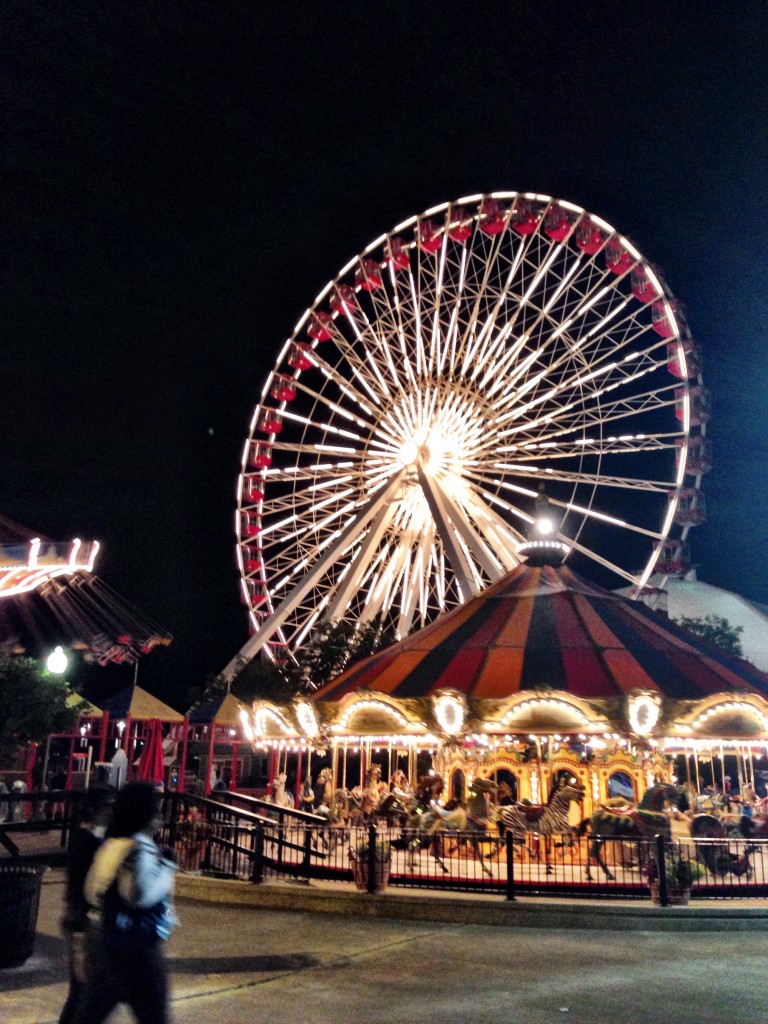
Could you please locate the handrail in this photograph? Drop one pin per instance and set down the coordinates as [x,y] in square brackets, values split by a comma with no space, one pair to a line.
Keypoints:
[311,819]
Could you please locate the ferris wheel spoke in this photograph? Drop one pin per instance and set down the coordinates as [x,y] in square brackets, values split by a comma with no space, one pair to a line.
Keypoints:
[314,573]
[599,559]
[590,412]
[500,535]
[579,448]
[361,562]
[345,387]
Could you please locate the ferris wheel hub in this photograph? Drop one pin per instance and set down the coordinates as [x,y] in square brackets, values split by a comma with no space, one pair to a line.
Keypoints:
[409,453]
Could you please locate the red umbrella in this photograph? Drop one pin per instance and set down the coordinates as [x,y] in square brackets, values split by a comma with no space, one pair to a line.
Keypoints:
[152,764]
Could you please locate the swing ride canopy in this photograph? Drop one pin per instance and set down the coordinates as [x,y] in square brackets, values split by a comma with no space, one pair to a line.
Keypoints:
[541,651]
[48,593]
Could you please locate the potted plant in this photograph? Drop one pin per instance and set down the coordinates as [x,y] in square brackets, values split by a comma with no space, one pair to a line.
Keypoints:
[361,857]
[681,872]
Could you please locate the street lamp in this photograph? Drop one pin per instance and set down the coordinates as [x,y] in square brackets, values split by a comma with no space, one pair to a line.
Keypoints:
[57,661]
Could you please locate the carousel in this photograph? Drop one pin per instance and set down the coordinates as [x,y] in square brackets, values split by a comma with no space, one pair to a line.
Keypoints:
[542,677]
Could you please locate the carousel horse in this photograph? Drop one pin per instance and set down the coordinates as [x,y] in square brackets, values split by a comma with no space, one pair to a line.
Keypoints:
[547,820]
[720,859]
[419,828]
[472,817]
[279,796]
[618,819]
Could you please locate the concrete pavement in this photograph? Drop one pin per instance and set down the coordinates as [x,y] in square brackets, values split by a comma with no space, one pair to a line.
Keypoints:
[237,965]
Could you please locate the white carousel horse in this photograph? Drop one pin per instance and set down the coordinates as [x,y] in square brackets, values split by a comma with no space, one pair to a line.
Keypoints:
[279,797]
[473,817]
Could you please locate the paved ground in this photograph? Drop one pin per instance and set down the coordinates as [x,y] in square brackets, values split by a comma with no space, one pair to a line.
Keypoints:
[244,966]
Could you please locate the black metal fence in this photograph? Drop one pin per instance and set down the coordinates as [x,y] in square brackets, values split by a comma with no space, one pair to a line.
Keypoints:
[260,841]
[237,836]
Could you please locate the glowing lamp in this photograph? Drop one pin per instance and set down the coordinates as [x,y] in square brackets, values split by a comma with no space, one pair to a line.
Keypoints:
[57,661]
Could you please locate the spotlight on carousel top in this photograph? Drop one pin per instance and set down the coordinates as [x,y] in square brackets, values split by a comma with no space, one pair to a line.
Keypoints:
[542,546]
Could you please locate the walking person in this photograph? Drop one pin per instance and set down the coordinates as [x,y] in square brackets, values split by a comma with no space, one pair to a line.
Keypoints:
[95,814]
[131,884]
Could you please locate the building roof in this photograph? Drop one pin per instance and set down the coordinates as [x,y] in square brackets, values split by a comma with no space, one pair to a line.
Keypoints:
[546,627]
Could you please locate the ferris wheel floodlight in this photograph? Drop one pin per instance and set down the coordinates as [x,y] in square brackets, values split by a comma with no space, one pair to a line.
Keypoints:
[473,348]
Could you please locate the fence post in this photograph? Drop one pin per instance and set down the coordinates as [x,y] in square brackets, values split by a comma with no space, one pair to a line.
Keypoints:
[510,839]
[173,824]
[372,857]
[662,866]
[257,863]
[307,852]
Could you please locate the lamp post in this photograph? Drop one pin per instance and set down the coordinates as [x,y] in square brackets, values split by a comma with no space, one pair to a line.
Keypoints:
[56,662]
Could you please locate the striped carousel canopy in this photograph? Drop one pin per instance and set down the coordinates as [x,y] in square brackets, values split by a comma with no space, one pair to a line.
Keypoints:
[545,627]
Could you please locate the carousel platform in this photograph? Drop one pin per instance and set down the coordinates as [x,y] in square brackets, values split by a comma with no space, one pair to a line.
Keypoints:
[462,908]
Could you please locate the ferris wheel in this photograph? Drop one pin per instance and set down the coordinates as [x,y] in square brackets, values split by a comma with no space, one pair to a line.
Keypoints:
[463,360]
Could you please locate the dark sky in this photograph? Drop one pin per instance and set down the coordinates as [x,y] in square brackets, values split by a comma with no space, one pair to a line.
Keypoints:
[180,179]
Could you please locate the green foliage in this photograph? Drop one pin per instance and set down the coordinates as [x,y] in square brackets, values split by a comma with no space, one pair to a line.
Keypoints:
[335,646]
[681,872]
[717,630]
[33,702]
[383,851]
[331,648]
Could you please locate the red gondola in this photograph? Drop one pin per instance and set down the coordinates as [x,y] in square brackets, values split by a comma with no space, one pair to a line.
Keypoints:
[270,421]
[688,367]
[398,258]
[430,236]
[589,238]
[643,288]
[663,324]
[691,508]
[459,225]
[525,220]
[699,458]
[674,559]
[283,388]
[320,326]
[254,493]
[558,225]
[251,525]
[252,562]
[298,356]
[343,299]
[368,275]
[491,217]
[261,454]
[699,405]
[617,258]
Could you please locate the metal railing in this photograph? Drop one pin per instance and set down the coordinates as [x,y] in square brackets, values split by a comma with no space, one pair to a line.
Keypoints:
[238,836]
[282,843]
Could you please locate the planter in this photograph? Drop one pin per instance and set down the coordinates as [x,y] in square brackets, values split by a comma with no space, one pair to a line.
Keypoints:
[360,874]
[675,897]
[19,904]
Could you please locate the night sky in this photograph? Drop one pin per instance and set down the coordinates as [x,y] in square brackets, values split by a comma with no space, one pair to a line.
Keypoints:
[179,180]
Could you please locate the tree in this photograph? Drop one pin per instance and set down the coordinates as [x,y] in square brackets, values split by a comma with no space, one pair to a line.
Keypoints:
[717,630]
[331,648]
[33,704]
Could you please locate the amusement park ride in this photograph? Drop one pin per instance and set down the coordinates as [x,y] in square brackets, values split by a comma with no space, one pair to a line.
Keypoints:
[495,387]
[52,586]
[464,359]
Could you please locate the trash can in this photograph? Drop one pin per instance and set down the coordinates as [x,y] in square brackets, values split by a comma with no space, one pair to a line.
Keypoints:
[19,903]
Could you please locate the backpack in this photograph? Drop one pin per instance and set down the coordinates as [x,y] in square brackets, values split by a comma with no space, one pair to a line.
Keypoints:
[126,927]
